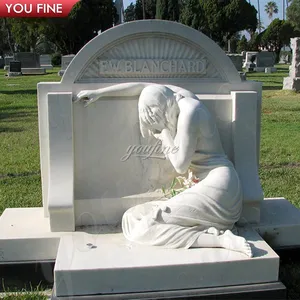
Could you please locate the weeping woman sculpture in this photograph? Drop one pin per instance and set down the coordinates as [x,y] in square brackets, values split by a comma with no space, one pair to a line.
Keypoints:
[205,214]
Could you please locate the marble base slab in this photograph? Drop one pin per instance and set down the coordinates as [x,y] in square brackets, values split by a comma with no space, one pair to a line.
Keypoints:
[273,290]
[25,232]
[109,264]
[279,223]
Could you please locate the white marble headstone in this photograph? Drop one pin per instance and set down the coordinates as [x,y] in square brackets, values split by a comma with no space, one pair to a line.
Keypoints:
[85,177]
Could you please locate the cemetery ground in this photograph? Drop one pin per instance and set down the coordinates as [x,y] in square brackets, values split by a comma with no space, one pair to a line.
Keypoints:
[20,184]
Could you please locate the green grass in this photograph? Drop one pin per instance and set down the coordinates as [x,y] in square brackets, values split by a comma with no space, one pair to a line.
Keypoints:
[19,151]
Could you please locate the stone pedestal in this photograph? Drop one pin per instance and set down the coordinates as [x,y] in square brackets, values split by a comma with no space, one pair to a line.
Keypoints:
[293,81]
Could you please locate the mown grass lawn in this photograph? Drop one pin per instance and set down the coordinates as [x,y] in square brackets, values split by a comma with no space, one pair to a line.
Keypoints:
[279,161]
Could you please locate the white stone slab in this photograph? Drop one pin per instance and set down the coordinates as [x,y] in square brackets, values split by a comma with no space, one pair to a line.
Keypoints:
[25,233]
[114,265]
[25,236]
[280,223]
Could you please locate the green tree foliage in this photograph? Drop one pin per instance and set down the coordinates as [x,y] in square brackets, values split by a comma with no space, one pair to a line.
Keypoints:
[6,43]
[167,10]
[191,14]
[26,32]
[135,11]
[129,13]
[293,14]
[220,20]
[83,23]
[271,8]
[277,35]
[242,44]
[69,34]
[150,9]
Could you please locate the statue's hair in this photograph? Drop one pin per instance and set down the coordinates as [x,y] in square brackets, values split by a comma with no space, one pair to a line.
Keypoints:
[156,96]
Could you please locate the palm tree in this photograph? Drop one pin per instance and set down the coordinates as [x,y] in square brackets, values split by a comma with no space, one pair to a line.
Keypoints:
[259,20]
[271,8]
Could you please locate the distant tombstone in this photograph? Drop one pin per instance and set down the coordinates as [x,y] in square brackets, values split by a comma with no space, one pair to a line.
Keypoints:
[65,61]
[28,59]
[248,58]
[45,60]
[15,68]
[1,62]
[268,70]
[30,63]
[293,81]
[237,60]
[7,60]
[265,59]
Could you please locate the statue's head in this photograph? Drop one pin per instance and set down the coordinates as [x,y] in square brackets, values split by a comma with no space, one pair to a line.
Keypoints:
[157,105]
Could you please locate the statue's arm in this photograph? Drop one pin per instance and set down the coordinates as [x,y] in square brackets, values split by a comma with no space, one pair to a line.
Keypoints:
[118,90]
[182,148]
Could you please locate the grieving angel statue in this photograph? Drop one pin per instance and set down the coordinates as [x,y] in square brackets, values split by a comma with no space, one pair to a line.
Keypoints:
[203,215]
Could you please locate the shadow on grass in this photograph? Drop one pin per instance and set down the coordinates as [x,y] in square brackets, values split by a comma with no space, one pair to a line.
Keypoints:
[18,92]
[271,88]
[8,129]
[17,107]
[13,115]
[16,277]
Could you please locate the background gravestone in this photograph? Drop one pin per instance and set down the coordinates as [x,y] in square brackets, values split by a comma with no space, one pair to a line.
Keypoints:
[28,59]
[265,59]
[30,63]
[7,59]
[293,81]
[1,62]
[65,61]
[15,68]
[45,60]
[237,60]
[249,54]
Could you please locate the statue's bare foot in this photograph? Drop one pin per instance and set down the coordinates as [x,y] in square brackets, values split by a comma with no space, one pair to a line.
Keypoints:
[236,243]
[213,231]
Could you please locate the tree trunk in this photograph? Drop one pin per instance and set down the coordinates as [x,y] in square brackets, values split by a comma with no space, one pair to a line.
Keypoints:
[9,36]
[259,22]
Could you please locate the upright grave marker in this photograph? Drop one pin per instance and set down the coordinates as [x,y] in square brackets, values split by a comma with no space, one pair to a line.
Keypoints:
[30,63]
[293,81]
[45,60]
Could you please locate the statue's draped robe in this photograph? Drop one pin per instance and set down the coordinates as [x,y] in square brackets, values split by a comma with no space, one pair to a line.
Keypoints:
[216,201]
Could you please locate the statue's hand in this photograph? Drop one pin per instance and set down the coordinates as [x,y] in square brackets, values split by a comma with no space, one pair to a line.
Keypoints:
[87,97]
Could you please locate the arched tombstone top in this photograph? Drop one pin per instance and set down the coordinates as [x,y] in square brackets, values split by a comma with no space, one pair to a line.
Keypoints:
[150,50]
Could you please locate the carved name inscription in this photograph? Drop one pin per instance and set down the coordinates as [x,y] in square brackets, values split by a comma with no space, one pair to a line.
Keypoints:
[155,66]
